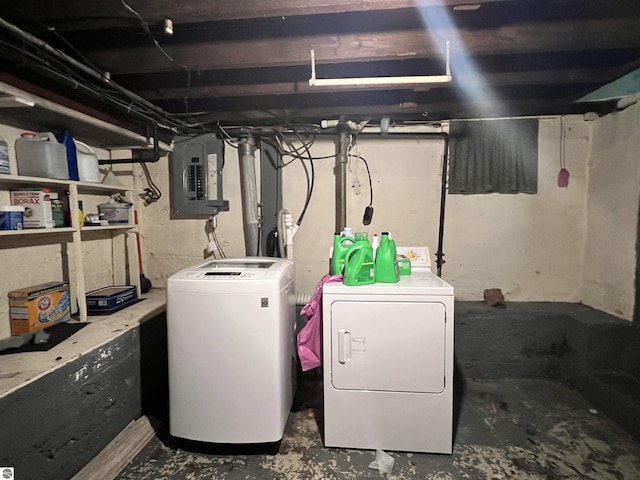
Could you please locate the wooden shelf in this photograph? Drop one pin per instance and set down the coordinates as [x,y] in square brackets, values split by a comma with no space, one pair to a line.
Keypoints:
[22,181]
[121,236]
[39,231]
[119,226]
[30,111]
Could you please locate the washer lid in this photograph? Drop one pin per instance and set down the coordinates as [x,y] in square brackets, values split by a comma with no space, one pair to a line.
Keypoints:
[233,276]
[245,268]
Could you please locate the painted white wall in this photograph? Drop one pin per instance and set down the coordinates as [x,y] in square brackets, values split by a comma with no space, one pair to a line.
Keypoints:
[405,175]
[529,246]
[612,213]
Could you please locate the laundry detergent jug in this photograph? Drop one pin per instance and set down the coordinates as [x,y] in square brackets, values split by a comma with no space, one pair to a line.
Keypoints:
[359,268]
[386,261]
[341,245]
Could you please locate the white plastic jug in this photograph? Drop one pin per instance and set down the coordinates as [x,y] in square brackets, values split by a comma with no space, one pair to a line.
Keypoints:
[88,170]
[41,155]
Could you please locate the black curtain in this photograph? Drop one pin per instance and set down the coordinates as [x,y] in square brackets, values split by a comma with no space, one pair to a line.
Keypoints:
[493,156]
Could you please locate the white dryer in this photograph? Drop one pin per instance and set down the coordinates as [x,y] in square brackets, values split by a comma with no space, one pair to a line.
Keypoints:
[388,365]
[232,363]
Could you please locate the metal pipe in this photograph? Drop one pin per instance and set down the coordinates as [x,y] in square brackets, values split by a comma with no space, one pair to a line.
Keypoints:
[443,198]
[341,159]
[341,179]
[139,156]
[249,193]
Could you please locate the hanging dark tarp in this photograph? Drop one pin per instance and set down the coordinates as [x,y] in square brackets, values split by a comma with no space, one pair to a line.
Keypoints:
[493,156]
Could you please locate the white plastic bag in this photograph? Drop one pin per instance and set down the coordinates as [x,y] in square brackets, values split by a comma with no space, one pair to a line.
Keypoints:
[383,463]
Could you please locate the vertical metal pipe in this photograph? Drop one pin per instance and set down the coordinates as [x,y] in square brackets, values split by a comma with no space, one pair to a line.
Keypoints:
[341,179]
[249,193]
[443,199]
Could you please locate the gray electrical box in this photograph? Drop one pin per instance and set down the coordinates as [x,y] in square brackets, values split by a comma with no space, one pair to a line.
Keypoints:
[195,168]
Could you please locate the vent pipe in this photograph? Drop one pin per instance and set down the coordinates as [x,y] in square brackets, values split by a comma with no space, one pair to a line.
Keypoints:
[249,193]
[341,178]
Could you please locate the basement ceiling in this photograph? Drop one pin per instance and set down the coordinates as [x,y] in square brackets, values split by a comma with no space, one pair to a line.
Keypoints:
[248,62]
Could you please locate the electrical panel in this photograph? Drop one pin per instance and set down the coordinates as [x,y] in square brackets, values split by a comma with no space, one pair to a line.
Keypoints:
[196,177]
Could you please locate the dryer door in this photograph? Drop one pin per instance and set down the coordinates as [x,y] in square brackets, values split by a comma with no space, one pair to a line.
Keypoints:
[388,346]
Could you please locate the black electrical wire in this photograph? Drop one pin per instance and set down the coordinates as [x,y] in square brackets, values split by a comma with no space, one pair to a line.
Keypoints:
[310,184]
[133,102]
[369,175]
[153,193]
[310,180]
[145,27]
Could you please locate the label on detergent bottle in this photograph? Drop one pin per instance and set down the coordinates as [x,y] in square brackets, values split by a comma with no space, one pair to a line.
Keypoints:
[359,265]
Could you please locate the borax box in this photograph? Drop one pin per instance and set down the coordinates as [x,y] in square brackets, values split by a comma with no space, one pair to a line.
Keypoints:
[40,306]
[37,203]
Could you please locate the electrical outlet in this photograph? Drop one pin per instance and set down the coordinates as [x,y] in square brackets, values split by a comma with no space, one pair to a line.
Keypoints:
[357,187]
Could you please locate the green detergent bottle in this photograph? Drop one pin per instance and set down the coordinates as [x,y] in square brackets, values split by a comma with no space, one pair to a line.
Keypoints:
[340,246]
[386,261]
[359,267]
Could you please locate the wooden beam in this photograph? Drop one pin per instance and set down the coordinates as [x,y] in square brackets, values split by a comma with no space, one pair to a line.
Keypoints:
[83,15]
[426,112]
[253,53]
[122,449]
[539,77]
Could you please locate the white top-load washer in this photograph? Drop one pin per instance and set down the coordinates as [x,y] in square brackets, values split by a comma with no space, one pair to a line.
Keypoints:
[231,334]
[388,364]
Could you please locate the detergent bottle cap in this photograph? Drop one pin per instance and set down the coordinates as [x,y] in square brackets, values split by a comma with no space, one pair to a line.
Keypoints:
[346,232]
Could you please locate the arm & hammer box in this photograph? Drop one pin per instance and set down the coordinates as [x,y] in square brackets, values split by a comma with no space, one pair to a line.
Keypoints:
[37,207]
[40,306]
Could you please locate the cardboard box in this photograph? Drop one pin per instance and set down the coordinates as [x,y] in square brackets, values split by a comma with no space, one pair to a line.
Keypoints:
[37,203]
[40,306]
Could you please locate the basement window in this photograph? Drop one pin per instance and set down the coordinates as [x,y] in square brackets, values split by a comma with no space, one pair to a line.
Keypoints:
[493,156]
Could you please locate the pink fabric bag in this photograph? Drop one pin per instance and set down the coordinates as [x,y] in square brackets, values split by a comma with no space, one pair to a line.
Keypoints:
[310,337]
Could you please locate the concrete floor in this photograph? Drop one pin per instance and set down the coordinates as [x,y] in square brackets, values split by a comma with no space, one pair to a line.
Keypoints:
[505,429]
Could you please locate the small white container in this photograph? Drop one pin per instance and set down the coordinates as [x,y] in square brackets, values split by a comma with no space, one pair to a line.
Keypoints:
[41,155]
[11,217]
[115,212]
[88,170]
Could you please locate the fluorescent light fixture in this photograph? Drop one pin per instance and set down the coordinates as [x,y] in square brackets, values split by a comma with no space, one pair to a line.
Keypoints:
[467,7]
[360,81]
[15,102]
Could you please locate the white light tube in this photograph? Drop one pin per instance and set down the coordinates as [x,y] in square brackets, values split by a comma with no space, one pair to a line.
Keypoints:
[406,80]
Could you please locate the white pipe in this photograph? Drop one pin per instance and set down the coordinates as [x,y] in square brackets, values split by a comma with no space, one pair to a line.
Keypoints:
[291,228]
[303,298]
